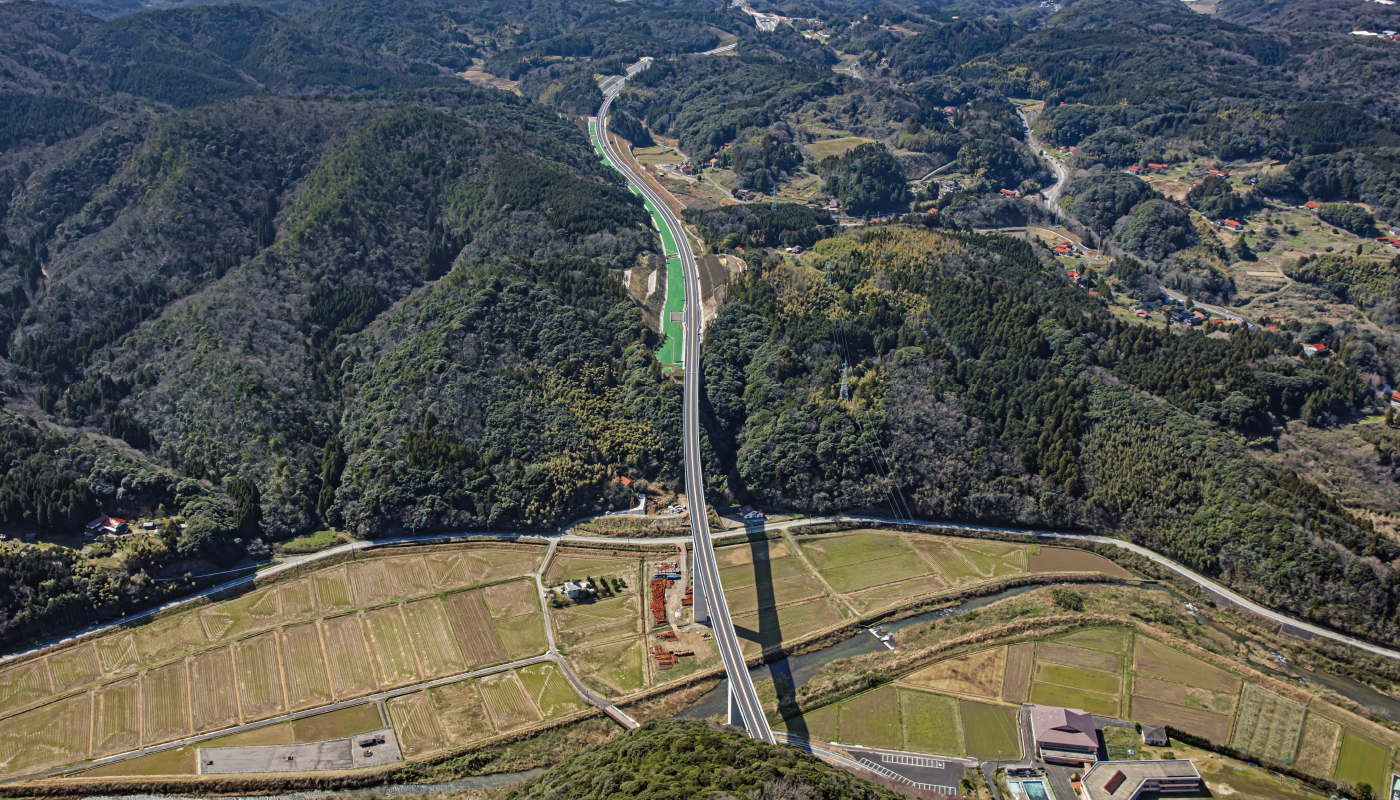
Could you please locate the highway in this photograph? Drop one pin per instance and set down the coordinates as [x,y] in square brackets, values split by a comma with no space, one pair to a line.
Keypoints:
[706,570]
[1052,195]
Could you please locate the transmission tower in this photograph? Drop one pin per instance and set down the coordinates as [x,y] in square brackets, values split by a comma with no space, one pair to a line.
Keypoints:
[775,195]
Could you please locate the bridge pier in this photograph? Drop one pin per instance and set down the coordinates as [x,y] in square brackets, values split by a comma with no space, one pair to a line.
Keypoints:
[736,714]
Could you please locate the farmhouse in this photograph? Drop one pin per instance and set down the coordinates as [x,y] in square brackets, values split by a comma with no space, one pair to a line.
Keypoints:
[1233,224]
[751,514]
[1314,349]
[105,525]
[574,588]
[1127,780]
[1313,204]
[1064,735]
[1155,735]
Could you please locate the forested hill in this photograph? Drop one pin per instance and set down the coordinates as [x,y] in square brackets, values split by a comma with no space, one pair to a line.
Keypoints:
[318,298]
[672,758]
[988,389]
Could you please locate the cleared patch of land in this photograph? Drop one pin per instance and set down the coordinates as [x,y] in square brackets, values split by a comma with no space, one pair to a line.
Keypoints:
[165,701]
[931,723]
[46,737]
[332,589]
[614,668]
[1069,655]
[308,683]
[835,147]
[1046,694]
[549,690]
[978,674]
[1019,660]
[352,672]
[1156,660]
[1067,559]
[337,724]
[116,718]
[1108,640]
[1269,725]
[505,698]
[387,637]
[471,624]
[432,638]
[1317,750]
[1166,691]
[460,712]
[415,724]
[259,676]
[1363,761]
[872,719]
[1215,727]
[214,701]
[74,667]
[990,730]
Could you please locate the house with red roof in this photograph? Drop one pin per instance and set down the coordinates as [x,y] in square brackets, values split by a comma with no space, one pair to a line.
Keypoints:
[1311,204]
[1233,224]
[1150,165]
[1314,349]
[105,526]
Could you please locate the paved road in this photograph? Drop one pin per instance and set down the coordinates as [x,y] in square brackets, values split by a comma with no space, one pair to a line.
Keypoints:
[706,569]
[1052,195]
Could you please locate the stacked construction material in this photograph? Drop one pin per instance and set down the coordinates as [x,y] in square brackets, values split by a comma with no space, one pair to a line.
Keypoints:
[665,659]
[658,599]
[689,599]
[669,636]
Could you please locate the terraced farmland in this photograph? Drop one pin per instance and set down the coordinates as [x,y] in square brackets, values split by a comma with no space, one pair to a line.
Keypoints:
[298,644]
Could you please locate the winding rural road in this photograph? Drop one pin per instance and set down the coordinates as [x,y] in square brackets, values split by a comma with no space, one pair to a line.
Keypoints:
[1052,195]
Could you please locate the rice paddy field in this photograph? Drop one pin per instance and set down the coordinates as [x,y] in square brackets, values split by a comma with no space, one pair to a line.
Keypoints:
[903,718]
[931,723]
[331,635]
[613,669]
[977,674]
[991,730]
[1363,761]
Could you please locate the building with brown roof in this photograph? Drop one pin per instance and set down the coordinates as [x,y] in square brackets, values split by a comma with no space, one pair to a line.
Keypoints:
[1064,735]
[1127,780]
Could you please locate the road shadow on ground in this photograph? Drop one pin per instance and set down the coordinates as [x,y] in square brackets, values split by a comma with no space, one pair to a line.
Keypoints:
[770,631]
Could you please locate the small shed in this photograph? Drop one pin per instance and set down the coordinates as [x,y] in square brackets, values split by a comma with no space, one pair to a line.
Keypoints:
[1155,735]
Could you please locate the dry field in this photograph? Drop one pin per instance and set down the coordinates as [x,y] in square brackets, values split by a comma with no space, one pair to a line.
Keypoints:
[598,621]
[773,626]
[215,705]
[1153,659]
[24,685]
[978,674]
[505,698]
[432,638]
[1069,655]
[1107,640]
[298,601]
[387,637]
[571,564]
[347,656]
[1269,725]
[370,582]
[74,667]
[1067,559]
[162,639]
[116,718]
[613,669]
[460,712]
[469,567]
[1215,727]
[516,616]
[471,623]
[872,719]
[117,653]
[254,611]
[409,576]
[332,589]
[415,724]
[259,676]
[165,704]
[308,682]
[1019,660]
[550,690]
[335,724]
[54,734]
[1317,750]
